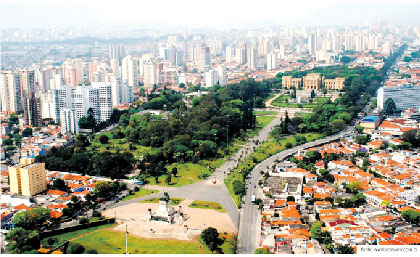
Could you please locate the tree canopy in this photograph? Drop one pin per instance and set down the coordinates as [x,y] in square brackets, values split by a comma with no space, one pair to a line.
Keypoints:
[211,238]
[22,241]
[32,219]
[389,107]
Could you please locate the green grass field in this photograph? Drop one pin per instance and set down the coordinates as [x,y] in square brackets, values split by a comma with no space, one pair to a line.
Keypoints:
[140,193]
[207,205]
[112,242]
[67,236]
[116,144]
[263,113]
[321,99]
[284,101]
[188,173]
[263,119]
[174,201]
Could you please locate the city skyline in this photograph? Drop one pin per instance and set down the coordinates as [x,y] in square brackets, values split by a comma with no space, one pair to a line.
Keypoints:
[185,14]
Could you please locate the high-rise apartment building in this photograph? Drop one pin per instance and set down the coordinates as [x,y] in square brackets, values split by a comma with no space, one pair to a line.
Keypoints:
[50,105]
[129,71]
[115,68]
[312,43]
[32,111]
[373,41]
[116,52]
[151,75]
[73,72]
[271,61]
[221,74]
[104,99]
[252,59]
[10,90]
[203,57]
[405,96]
[27,179]
[229,54]
[348,42]
[211,78]
[68,121]
[172,55]
[241,54]
[360,43]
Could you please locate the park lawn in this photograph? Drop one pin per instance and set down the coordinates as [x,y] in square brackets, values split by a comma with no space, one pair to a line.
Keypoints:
[94,219]
[112,242]
[262,113]
[174,201]
[228,247]
[175,181]
[188,173]
[321,99]
[69,235]
[281,102]
[281,99]
[141,192]
[313,136]
[117,144]
[191,170]
[295,105]
[229,185]
[262,122]
[302,114]
[207,205]
[214,163]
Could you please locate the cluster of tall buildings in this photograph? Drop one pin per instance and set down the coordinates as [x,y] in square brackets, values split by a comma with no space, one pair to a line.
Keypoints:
[63,94]
[42,91]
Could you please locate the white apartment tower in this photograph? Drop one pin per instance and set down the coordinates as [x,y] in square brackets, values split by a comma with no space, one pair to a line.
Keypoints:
[10,96]
[68,121]
[129,70]
[221,73]
[271,61]
[360,43]
[229,54]
[312,43]
[211,78]
[252,59]
[150,75]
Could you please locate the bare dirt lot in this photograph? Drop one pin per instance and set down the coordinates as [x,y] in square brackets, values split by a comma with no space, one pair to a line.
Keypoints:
[135,216]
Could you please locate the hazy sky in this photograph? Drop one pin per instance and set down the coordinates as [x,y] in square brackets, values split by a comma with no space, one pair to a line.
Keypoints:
[210,13]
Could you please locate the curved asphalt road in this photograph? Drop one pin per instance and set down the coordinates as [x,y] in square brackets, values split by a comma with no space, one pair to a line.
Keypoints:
[249,226]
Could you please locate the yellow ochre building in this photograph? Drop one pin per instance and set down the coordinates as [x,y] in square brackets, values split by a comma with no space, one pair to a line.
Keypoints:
[27,178]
